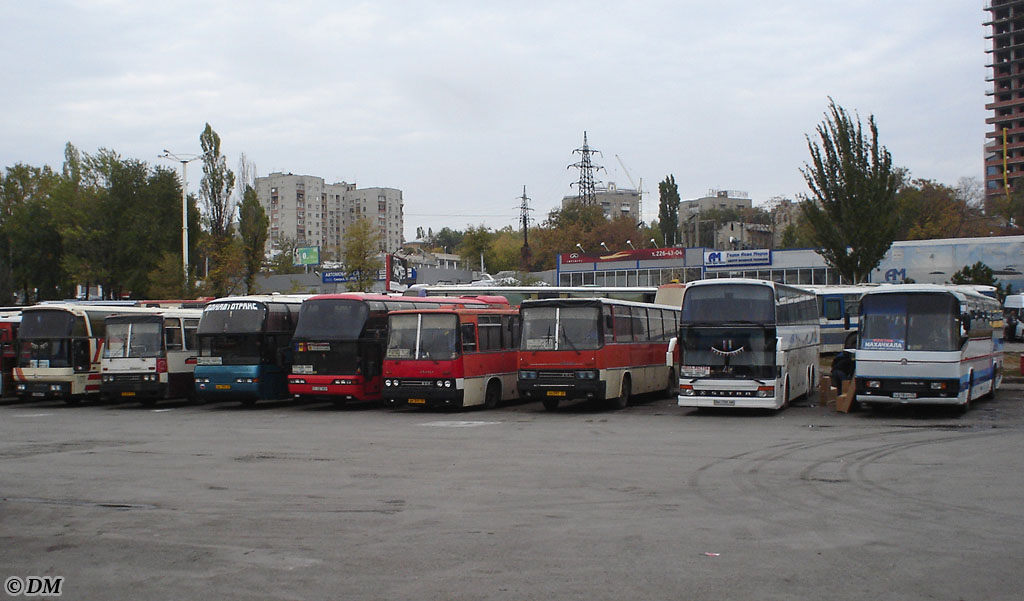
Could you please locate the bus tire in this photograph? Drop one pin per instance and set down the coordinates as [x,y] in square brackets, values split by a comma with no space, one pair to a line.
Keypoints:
[493,394]
[550,404]
[622,401]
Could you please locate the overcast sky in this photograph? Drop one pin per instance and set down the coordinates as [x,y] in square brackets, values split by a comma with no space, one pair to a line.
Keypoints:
[461,104]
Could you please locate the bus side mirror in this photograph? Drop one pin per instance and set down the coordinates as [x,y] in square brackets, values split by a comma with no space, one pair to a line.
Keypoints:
[965,324]
[846,320]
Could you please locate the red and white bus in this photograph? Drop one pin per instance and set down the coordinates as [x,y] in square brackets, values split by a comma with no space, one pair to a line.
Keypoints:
[338,345]
[10,319]
[150,354]
[455,356]
[59,348]
[600,348]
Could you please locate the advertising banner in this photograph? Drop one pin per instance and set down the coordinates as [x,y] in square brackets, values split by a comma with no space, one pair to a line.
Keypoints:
[639,254]
[306,255]
[737,258]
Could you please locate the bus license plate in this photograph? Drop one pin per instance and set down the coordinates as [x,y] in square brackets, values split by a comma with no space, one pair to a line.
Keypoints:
[556,393]
[904,395]
[417,401]
[127,393]
[223,386]
[319,389]
[724,403]
[38,394]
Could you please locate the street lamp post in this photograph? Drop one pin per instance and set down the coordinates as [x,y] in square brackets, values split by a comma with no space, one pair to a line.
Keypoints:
[184,160]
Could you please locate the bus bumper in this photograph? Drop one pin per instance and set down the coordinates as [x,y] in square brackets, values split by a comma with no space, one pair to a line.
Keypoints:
[35,390]
[909,391]
[423,393]
[132,386]
[338,388]
[580,389]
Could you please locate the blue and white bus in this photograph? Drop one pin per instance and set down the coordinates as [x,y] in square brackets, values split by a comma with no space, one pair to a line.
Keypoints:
[245,347]
[747,343]
[838,313]
[928,344]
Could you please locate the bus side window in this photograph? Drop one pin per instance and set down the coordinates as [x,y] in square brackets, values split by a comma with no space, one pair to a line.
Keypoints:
[609,324]
[468,332]
[515,331]
[172,334]
[191,328]
[833,309]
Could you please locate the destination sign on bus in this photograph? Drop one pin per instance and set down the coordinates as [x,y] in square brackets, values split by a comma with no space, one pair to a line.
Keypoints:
[234,306]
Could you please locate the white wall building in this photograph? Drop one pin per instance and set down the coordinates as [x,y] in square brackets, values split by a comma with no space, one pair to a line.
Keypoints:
[313,213]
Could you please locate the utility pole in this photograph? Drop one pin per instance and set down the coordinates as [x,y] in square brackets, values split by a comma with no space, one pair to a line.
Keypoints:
[184,160]
[586,184]
[524,216]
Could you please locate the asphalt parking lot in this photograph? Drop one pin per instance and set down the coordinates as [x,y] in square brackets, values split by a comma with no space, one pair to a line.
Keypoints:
[310,501]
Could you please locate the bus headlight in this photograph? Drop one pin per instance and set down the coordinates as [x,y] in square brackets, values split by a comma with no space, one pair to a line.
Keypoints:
[874,384]
[447,383]
[388,383]
[54,387]
[21,387]
[765,392]
[528,375]
[298,381]
[346,382]
[938,385]
[202,380]
[587,374]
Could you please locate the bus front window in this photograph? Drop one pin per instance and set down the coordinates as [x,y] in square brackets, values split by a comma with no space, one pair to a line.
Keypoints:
[560,328]
[913,322]
[436,335]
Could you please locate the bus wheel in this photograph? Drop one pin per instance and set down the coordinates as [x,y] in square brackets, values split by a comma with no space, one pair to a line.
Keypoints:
[550,404]
[493,395]
[623,400]
[785,395]
[672,383]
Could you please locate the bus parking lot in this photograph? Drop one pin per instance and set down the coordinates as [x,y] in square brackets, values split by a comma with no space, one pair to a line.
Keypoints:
[307,500]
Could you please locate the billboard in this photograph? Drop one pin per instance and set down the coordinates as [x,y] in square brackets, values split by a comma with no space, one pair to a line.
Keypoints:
[639,254]
[306,255]
[737,258]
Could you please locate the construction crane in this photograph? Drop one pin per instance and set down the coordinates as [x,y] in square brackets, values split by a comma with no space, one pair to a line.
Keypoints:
[639,191]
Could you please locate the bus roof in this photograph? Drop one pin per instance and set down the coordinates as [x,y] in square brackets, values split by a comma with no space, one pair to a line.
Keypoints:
[586,302]
[264,298]
[455,300]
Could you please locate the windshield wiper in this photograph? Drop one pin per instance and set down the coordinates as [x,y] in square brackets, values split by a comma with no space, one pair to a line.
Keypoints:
[567,340]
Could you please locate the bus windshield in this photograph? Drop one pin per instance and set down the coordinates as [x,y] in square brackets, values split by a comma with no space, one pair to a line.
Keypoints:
[233,349]
[560,328]
[331,319]
[730,352]
[911,322]
[45,352]
[233,317]
[133,338]
[46,324]
[422,336]
[736,303]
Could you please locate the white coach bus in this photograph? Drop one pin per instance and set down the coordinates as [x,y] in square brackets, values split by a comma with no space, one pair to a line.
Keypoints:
[747,343]
[928,344]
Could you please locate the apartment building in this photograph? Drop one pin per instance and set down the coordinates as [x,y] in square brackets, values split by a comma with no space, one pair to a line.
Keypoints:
[1004,147]
[614,201]
[311,212]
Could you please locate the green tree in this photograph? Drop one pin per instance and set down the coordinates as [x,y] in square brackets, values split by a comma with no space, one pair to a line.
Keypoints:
[362,254]
[979,273]
[252,225]
[476,243]
[447,239]
[215,194]
[668,210]
[284,262]
[853,188]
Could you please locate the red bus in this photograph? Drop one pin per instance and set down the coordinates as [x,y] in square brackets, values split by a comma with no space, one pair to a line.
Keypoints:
[456,356]
[600,348]
[338,345]
[10,319]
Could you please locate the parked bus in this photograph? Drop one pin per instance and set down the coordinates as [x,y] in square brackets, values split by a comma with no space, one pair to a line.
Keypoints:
[245,347]
[340,338]
[747,343]
[928,344]
[1013,315]
[599,348]
[455,356]
[838,310]
[150,355]
[59,348]
[10,320]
